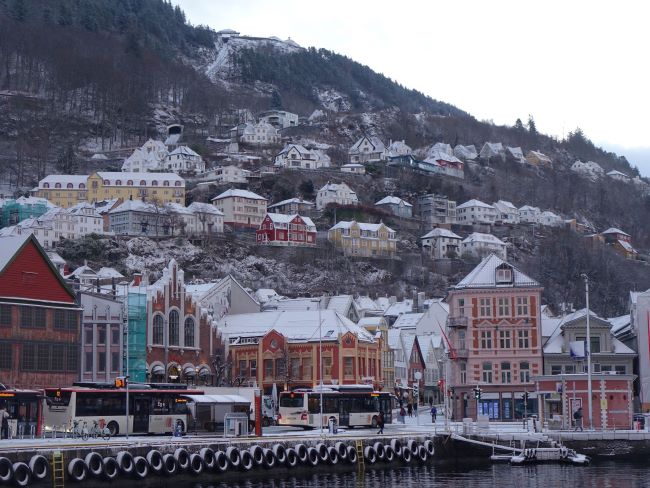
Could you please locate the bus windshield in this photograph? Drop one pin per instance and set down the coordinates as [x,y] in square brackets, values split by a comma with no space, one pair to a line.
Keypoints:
[292,400]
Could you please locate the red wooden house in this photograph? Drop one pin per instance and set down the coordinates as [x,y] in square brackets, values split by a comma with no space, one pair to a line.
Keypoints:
[39,318]
[286,230]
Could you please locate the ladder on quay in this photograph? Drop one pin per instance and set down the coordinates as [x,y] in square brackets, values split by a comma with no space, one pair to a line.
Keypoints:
[361,462]
[58,471]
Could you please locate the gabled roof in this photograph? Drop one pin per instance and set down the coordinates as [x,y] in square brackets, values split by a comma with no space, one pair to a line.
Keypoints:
[408,320]
[504,204]
[184,151]
[106,273]
[528,208]
[390,200]
[285,219]
[440,232]
[292,200]
[136,206]
[616,173]
[233,192]
[343,224]
[375,142]
[474,203]
[335,187]
[614,230]
[484,275]
[202,207]
[480,237]
[340,303]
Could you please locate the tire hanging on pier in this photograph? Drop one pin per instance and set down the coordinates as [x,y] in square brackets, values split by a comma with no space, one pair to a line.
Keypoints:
[6,470]
[257,454]
[379,451]
[220,462]
[370,455]
[352,455]
[125,462]
[397,446]
[413,446]
[207,455]
[269,459]
[292,458]
[389,455]
[22,474]
[302,453]
[39,467]
[428,444]
[406,455]
[94,464]
[342,451]
[140,467]
[312,456]
[155,460]
[246,463]
[182,458]
[422,453]
[322,452]
[170,465]
[77,469]
[196,464]
[333,455]
[280,453]
[234,458]
[111,468]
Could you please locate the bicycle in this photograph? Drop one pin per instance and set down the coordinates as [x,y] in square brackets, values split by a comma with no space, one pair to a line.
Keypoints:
[79,432]
[96,431]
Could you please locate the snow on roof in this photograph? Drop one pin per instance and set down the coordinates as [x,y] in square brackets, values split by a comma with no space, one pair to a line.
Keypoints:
[549,214]
[294,325]
[98,156]
[539,155]
[344,224]
[371,322]
[627,246]
[408,320]
[440,232]
[485,238]
[177,208]
[292,304]
[291,200]
[440,147]
[505,204]
[614,230]
[184,151]
[81,271]
[528,208]
[484,275]
[285,219]
[399,308]
[352,165]
[148,178]
[550,325]
[515,152]
[202,207]
[554,345]
[438,155]
[467,152]
[616,173]
[340,303]
[496,147]
[263,295]
[366,303]
[9,246]
[474,203]
[106,273]
[619,323]
[105,206]
[394,336]
[620,348]
[375,142]
[390,200]
[75,180]
[136,206]
[382,303]
[233,192]
[334,187]
[55,257]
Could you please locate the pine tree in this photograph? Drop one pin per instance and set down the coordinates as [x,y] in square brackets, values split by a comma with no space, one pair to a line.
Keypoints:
[19,10]
[519,126]
[67,162]
[532,128]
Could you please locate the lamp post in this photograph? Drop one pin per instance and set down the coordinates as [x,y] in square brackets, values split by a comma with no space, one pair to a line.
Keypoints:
[588,352]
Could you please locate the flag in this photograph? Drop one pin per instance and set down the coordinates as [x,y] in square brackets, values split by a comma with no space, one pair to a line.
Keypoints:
[577,349]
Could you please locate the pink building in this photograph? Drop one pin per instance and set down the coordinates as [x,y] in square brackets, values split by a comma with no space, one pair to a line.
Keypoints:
[494,329]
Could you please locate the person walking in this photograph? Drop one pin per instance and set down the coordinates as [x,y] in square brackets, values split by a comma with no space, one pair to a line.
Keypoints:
[380,422]
[402,414]
[415,408]
[4,422]
[577,417]
[409,409]
[434,412]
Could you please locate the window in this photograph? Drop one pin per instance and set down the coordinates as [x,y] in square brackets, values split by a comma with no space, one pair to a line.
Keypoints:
[348,366]
[252,364]
[570,368]
[463,373]
[620,369]
[504,307]
[295,368]
[504,339]
[556,369]
[522,306]
[504,275]
[115,362]
[32,317]
[506,374]
[487,373]
[189,332]
[129,183]
[101,362]
[280,368]
[243,371]
[306,369]
[327,366]
[88,362]
[484,307]
[143,183]
[524,343]
[72,358]
[524,372]
[6,357]
[115,336]
[101,334]
[57,185]
[88,334]
[69,186]
[118,182]
[157,330]
[486,339]
[43,357]
[173,328]
[5,314]
[595,343]
[268,368]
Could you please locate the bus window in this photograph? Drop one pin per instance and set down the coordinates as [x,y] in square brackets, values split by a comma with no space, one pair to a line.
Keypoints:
[293,400]
[180,406]
[313,404]
[161,406]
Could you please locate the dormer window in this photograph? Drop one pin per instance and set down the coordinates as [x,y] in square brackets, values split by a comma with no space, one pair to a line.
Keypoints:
[503,274]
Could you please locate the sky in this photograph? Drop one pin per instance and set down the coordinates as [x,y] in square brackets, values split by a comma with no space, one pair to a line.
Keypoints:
[567,63]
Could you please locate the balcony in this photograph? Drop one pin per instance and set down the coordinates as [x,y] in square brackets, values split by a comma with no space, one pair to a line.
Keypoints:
[462,353]
[457,322]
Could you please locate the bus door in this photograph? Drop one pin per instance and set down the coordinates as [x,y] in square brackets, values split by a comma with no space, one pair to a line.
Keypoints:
[386,406]
[344,411]
[141,411]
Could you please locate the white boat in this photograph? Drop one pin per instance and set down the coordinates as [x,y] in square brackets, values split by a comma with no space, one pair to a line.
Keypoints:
[549,455]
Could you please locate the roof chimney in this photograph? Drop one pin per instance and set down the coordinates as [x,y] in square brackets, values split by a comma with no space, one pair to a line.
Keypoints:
[137,279]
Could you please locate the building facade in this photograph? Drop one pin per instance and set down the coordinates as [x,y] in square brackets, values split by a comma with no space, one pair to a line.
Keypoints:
[441,243]
[296,156]
[367,150]
[475,212]
[286,230]
[39,318]
[292,206]
[335,193]
[436,209]
[495,332]
[241,208]
[363,240]
[396,206]
[480,245]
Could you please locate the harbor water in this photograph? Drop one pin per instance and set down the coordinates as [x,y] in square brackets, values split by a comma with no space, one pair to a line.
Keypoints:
[599,475]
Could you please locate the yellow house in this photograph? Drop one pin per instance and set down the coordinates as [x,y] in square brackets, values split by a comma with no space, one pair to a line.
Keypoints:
[68,190]
[537,158]
[365,240]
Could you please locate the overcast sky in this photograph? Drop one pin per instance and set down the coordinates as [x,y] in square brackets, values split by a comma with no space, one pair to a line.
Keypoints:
[568,63]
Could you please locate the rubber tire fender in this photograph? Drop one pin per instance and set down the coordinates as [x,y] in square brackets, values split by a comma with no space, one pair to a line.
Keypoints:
[269,459]
[170,465]
[302,453]
[333,455]
[430,447]
[369,454]
[140,467]
[196,464]
[94,464]
[207,455]
[312,456]
[280,453]
[406,455]
[22,474]
[247,462]
[155,460]
[397,447]
[234,457]
[77,470]
[182,458]
[39,466]
[389,453]
[292,458]
[125,462]
[111,468]
[379,451]
[352,455]
[342,450]
[221,462]
[6,470]
[321,449]
[257,453]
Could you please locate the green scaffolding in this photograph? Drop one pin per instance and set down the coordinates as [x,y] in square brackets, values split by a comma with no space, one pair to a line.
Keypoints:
[13,212]
[137,349]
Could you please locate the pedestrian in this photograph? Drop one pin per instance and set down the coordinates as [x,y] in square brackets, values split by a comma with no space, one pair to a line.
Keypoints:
[409,409]
[4,422]
[434,412]
[415,408]
[402,414]
[380,422]
[577,417]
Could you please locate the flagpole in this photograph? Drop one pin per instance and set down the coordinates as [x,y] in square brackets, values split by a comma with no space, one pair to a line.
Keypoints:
[588,352]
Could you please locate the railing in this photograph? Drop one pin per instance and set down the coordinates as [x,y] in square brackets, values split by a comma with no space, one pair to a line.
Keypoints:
[457,322]
[462,353]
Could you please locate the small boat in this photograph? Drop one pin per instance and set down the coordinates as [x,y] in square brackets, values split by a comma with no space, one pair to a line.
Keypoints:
[549,455]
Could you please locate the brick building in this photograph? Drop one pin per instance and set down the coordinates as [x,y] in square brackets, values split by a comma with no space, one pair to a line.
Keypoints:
[495,332]
[39,318]
[283,348]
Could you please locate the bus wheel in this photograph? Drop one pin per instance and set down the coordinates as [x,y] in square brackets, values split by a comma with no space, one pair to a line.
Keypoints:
[113,428]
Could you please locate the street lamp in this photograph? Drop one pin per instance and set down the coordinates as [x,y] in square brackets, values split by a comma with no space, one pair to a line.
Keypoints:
[588,352]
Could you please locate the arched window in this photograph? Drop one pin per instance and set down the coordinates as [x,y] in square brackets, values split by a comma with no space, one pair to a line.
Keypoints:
[57,185]
[143,183]
[118,182]
[106,182]
[82,186]
[189,332]
[69,185]
[46,185]
[154,183]
[177,183]
[157,330]
[166,183]
[129,183]
[173,328]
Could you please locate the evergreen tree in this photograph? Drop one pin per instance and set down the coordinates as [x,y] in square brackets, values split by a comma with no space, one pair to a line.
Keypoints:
[276,101]
[19,10]
[532,128]
[519,126]
[67,162]
[65,16]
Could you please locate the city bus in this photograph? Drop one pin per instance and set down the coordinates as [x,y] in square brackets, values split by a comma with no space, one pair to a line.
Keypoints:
[348,405]
[24,408]
[153,408]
